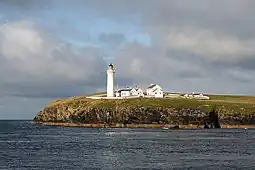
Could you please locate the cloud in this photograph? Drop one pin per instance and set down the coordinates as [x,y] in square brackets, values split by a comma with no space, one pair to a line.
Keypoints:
[26,4]
[112,38]
[145,65]
[204,46]
[180,72]
[191,60]
[37,64]
[208,44]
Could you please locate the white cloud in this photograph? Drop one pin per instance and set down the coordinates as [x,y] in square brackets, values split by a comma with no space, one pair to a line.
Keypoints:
[145,65]
[205,46]
[21,40]
[208,44]
[35,68]
[30,58]
[179,71]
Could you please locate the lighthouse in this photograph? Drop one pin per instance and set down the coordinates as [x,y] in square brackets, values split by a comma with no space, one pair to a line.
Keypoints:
[110,81]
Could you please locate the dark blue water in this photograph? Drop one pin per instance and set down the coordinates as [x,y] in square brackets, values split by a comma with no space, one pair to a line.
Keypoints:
[24,145]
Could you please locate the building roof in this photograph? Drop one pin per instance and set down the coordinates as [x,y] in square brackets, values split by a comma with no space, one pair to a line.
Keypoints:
[120,90]
[156,90]
[110,66]
[151,86]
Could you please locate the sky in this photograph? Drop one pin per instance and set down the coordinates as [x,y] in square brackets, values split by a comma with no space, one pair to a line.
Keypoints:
[60,48]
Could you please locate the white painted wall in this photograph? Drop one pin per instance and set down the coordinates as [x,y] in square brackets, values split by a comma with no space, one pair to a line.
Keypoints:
[159,93]
[133,92]
[196,96]
[117,94]
[157,87]
[110,81]
[140,92]
[125,94]
[149,92]
[152,92]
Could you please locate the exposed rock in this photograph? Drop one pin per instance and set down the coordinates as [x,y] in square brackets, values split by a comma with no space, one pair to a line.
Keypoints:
[127,115]
[143,111]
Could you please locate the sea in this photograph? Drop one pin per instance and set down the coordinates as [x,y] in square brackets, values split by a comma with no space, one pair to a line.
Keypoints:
[26,145]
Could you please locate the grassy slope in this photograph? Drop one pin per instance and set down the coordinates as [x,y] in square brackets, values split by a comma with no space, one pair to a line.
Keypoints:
[226,104]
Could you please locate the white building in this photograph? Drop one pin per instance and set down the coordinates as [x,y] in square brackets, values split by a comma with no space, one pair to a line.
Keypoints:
[137,92]
[123,92]
[199,96]
[129,92]
[155,90]
[110,81]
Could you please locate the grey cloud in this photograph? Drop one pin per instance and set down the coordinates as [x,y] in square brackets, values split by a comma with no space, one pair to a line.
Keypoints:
[42,67]
[112,38]
[204,46]
[180,71]
[36,68]
[146,65]
[178,12]
[229,16]
[245,64]
[216,31]
[189,74]
[26,4]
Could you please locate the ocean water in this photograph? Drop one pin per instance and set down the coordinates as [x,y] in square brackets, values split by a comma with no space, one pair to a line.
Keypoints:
[24,145]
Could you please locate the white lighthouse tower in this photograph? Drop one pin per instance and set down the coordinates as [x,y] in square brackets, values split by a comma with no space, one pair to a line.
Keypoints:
[110,81]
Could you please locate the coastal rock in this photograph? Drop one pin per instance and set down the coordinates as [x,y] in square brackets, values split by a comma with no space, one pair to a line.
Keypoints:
[88,112]
[174,112]
[238,119]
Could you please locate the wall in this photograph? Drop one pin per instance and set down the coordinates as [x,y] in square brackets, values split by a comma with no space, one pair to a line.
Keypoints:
[125,93]
[110,83]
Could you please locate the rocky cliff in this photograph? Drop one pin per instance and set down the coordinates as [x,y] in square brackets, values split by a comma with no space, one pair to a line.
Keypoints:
[143,111]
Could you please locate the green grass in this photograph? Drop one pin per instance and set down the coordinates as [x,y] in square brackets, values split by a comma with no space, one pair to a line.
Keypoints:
[233,98]
[226,104]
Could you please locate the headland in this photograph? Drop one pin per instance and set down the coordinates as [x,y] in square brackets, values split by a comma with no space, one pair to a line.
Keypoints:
[223,111]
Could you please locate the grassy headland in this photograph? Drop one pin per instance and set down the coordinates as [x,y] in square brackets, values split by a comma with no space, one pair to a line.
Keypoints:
[240,108]
[225,104]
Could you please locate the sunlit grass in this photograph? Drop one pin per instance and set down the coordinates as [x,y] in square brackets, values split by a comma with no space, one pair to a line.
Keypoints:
[225,104]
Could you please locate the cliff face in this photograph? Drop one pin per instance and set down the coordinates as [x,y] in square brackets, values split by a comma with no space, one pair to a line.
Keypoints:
[144,111]
[237,119]
[124,115]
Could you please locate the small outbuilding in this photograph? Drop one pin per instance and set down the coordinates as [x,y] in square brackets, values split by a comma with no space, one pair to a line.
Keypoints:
[129,92]
[155,90]
[123,92]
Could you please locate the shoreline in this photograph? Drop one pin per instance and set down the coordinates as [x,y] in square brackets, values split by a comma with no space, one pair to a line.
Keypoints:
[119,125]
